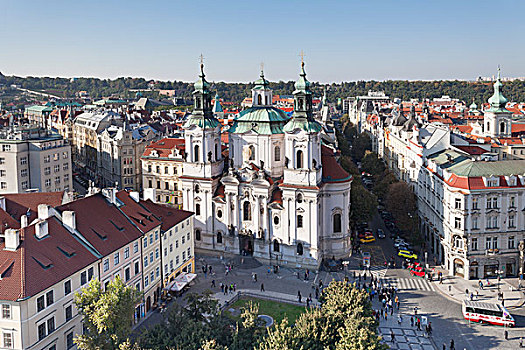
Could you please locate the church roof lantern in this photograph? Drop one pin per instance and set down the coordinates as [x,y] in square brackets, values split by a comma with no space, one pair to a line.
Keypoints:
[497,100]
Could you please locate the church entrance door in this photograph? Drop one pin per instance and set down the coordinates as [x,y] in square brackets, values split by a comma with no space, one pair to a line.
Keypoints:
[246,244]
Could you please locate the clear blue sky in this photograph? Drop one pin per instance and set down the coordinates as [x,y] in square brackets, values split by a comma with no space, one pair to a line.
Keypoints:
[343,40]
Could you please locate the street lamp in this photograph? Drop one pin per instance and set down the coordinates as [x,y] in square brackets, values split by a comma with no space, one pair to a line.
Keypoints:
[345,264]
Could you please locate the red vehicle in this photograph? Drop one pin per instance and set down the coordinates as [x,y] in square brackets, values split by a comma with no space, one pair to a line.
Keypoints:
[482,312]
[365,234]
[416,269]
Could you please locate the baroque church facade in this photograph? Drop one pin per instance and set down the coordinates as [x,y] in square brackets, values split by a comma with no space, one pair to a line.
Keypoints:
[275,191]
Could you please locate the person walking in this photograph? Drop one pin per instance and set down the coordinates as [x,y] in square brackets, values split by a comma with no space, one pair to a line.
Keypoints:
[506,335]
[213,283]
[299,296]
[411,321]
[430,328]
[392,336]
[452,347]
[262,287]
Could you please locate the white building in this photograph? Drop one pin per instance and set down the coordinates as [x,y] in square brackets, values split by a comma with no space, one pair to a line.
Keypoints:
[284,197]
[32,158]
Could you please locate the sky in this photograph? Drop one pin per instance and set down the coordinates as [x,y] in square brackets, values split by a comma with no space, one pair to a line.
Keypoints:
[345,40]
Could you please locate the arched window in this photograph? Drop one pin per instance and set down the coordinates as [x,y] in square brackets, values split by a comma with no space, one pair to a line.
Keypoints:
[266,100]
[197,209]
[299,198]
[219,237]
[299,159]
[197,102]
[276,246]
[502,127]
[259,100]
[299,221]
[252,152]
[337,223]
[196,153]
[299,249]
[197,235]
[247,211]
[277,153]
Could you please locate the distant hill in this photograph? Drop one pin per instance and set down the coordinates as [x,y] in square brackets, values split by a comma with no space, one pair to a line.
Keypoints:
[236,92]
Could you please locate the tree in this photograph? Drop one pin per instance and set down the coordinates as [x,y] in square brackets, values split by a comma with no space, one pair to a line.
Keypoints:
[383,183]
[343,322]
[106,314]
[360,145]
[364,203]
[401,202]
[372,164]
[348,164]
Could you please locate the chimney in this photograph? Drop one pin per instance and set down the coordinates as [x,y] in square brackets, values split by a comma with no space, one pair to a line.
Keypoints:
[43,211]
[12,239]
[111,194]
[23,221]
[69,219]
[41,229]
[151,194]
[135,196]
[2,202]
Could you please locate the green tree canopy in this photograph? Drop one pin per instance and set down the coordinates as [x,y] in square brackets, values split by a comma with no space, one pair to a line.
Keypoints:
[372,164]
[106,314]
[363,203]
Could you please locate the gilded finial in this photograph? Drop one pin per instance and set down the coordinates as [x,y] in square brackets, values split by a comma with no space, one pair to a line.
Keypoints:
[201,59]
[302,58]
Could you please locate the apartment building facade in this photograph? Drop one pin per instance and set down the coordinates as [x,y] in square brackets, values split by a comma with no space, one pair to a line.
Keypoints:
[33,158]
[161,170]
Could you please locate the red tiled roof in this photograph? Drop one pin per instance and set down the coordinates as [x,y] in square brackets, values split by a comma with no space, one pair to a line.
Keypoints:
[164,147]
[25,276]
[168,215]
[6,221]
[18,203]
[473,150]
[332,171]
[111,229]
[141,217]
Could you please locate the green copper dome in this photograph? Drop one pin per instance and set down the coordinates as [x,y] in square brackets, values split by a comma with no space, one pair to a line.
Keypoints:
[261,83]
[498,101]
[308,125]
[261,120]
[201,122]
[201,85]
[302,84]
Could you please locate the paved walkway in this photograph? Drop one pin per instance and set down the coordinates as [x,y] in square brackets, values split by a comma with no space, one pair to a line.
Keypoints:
[276,296]
[455,289]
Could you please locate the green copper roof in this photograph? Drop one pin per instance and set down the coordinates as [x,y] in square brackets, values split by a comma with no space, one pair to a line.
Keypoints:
[302,84]
[462,165]
[261,83]
[38,108]
[497,101]
[201,85]
[262,120]
[306,124]
[201,122]
[217,108]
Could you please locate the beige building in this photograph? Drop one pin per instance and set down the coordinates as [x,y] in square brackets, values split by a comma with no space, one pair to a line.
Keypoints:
[161,169]
[32,158]
[119,151]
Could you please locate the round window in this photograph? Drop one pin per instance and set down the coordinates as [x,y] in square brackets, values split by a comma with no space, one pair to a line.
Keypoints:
[276,220]
[219,213]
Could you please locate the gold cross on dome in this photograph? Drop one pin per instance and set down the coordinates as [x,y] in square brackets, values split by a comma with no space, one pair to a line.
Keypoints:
[262,66]
[201,59]
[302,56]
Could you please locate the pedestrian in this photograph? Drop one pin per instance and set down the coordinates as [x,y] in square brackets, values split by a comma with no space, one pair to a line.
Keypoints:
[466,292]
[521,342]
[307,302]
[235,287]
[209,269]
[222,288]
[430,328]
[299,295]
[399,319]
[392,336]
[477,295]
[262,287]
[506,335]
[444,347]
[411,321]
[452,347]
[471,296]
[255,276]
[316,293]
[213,283]
[391,311]
[480,285]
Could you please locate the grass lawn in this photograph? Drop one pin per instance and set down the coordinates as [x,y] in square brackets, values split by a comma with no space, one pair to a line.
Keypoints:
[273,308]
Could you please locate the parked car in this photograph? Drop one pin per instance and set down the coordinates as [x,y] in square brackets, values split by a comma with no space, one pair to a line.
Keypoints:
[380,233]
[407,254]
[367,239]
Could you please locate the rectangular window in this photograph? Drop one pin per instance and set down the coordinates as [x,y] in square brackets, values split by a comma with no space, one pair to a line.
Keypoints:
[8,340]
[65,166]
[40,305]
[83,278]
[152,276]
[56,168]
[23,160]
[136,247]
[189,253]
[106,265]
[25,185]
[41,331]
[183,240]
[183,256]
[511,242]
[512,202]
[137,286]
[3,173]
[177,244]
[145,242]
[474,244]
[137,267]
[67,287]
[69,341]
[146,281]
[156,253]
[2,160]
[6,311]
[90,274]
[457,223]
[127,274]
[197,209]
[47,159]
[171,247]
[177,260]
[23,173]
[299,221]
[3,185]
[65,155]
[126,253]
[50,325]
[116,259]
[156,235]
[167,185]
[49,298]
[151,238]
[6,148]
[56,156]
[151,257]
[512,223]
[457,203]
[495,242]
[171,265]
[165,251]
[145,261]
[69,313]
[47,171]
[48,182]
[488,243]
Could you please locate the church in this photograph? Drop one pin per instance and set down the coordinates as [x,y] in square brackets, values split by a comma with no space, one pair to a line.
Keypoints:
[275,191]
